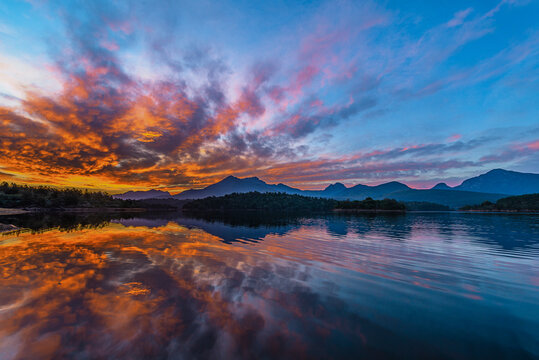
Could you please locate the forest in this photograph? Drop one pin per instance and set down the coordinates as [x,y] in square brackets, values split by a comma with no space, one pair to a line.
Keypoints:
[23,196]
[529,202]
[287,202]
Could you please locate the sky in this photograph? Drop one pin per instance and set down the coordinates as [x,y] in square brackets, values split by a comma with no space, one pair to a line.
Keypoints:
[171,95]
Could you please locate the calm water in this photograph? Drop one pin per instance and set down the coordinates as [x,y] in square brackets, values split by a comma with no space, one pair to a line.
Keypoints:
[456,286]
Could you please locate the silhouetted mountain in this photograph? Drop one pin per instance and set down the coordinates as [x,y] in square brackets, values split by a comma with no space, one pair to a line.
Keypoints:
[487,187]
[441,186]
[142,195]
[232,184]
[336,189]
[502,182]
[376,192]
[452,198]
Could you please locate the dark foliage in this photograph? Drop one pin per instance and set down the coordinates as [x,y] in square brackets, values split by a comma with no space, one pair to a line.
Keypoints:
[370,204]
[276,202]
[24,196]
[528,202]
[260,201]
[164,204]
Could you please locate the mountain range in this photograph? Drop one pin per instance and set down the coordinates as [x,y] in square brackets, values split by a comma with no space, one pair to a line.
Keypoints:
[491,186]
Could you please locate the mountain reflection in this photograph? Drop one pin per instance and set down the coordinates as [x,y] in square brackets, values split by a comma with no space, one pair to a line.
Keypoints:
[254,226]
[130,286]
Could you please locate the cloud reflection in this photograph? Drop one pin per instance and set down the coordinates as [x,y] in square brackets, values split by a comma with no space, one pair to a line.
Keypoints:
[174,290]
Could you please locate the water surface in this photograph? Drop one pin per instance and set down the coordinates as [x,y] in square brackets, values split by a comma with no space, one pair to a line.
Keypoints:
[167,286]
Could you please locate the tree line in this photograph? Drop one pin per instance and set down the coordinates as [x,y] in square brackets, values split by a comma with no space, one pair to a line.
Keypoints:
[286,202]
[528,202]
[24,196]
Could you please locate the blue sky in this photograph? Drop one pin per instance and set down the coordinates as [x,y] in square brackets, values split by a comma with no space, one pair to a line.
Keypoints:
[180,94]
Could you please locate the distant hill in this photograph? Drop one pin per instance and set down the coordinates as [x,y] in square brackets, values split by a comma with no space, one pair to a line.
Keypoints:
[441,186]
[376,192]
[452,198]
[232,184]
[335,190]
[487,187]
[502,182]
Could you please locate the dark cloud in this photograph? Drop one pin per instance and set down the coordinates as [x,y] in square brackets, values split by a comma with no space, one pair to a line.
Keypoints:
[434,149]
[313,116]
[106,123]
[193,119]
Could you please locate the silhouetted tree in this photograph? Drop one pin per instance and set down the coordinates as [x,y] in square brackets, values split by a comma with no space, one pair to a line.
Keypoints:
[23,196]
[528,202]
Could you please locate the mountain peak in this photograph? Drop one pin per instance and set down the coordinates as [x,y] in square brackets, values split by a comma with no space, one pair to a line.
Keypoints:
[235,179]
[254,180]
[393,185]
[496,181]
[502,182]
[335,187]
[441,186]
[498,171]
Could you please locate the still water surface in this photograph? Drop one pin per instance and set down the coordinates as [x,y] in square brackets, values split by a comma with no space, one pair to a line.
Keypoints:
[445,285]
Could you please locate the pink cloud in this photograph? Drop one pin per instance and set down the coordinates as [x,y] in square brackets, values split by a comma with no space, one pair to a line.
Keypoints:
[110,45]
[454,137]
[534,145]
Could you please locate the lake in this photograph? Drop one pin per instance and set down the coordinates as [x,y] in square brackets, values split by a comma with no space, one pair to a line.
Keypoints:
[169,286]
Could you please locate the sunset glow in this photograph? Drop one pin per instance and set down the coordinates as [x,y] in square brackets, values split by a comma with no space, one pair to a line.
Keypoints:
[180,95]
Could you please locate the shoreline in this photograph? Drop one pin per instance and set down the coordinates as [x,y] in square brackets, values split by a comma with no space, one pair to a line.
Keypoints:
[82,210]
[16,211]
[10,211]
[501,211]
